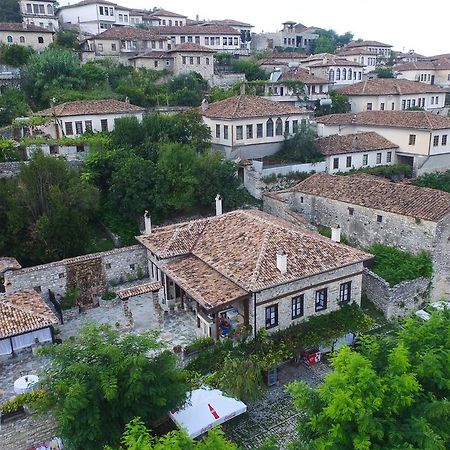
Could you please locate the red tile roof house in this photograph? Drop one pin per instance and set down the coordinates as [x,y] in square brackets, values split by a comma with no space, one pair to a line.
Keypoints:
[252,267]
[371,210]
[248,126]
[74,118]
[24,318]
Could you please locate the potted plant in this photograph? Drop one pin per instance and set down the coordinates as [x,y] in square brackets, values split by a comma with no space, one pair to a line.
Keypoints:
[108,299]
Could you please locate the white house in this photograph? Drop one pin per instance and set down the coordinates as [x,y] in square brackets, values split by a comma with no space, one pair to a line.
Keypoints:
[344,152]
[381,51]
[40,13]
[360,55]
[381,94]
[410,56]
[72,119]
[282,87]
[28,35]
[248,126]
[422,137]
[436,71]
[250,269]
[162,18]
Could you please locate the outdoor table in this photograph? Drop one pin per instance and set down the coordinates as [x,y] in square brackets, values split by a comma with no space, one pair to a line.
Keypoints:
[25,383]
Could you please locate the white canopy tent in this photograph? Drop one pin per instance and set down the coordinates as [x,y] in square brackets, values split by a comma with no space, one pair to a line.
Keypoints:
[205,409]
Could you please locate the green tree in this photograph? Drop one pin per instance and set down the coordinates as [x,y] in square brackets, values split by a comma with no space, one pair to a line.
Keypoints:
[12,104]
[339,105]
[101,381]
[137,437]
[10,11]
[391,395]
[8,150]
[14,55]
[384,72]
[434,180]
[251,69]
[66,39]
[187,89]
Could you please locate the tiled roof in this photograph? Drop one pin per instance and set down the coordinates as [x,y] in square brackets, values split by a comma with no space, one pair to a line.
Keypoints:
[242,246]
[129,33]
[272,62]
[381,194]
[402,119]
[353,143]
[22,312]
[304,76]
[138,290]
[232,23]
[205,28]
[88,2]
[87,107]
[153,54]
[7,263]
[361,43]
[190,47]
[19,27]
[243,106]
[438,64]
[389,86]
[326,60]
[165,13]
[287,55]
[354,51]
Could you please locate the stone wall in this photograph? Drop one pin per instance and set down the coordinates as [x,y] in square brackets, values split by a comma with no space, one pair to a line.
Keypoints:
[12,169]
[119,265]
[225,80]
[396,301]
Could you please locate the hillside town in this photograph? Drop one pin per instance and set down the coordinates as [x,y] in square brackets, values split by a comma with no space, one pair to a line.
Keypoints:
[218,237]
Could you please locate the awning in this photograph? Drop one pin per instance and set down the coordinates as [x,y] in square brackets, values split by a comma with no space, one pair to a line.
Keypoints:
[205,409]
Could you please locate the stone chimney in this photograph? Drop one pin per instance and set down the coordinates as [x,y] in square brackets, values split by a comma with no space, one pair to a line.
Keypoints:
[205,105]
[336,234]
[243,88]
[355,143]
[147,223]
[127,100]
[24,25]
[218,205]
[282,261]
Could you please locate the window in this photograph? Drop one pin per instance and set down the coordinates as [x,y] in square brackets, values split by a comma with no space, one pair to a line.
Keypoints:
[351,211]
[239,132]
[412,139]
[378,158]
[249,131]
[189,39]
[224,40]
[207,61]
[79,127]
[279,127]
[369,106]
[40,40]
[403,104]
[206,40]
[348,162]
[230,41]
[182,39]
[392,106]
[197,39]
[88,125]
[191,60]
[236,41]
[21,39]
[183,59]
[389,157]
[54,149]
[80,148]
[120,17]
[132,266]
[379,218]
[61,275]
[104,124]
[41,9]
[113,47]
[435,141]
[100,9]
[170,22]
[272,316]
[381,106]
[9,39]
[444,139]
[100,47]
[198,60]
[225,131]
[69,128]
[408,104]
[286,127]
[29,8]
[321,299]
[365,160]
[259,130]
[297,306]
[294,126]
[36,9]
[269,128]
[335,163]
[338,74]
[345,291]
[217,131]
[111,11]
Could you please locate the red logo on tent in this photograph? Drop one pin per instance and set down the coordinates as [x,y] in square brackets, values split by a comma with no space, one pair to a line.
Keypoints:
[213,411]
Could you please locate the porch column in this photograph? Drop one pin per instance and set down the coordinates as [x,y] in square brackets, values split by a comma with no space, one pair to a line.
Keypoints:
[216,320]
[246,311]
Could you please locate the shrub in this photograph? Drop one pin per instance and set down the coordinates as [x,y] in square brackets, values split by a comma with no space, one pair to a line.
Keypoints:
[439,181]
[28,398]
[199,344]
[393,172]
[109,295]
[396,266]
[70,299]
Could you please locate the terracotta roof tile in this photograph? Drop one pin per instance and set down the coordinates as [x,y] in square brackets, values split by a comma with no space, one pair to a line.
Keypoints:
[130,33]
[304,76]
[7,263]
[138,290]
[354,51]
[403,119]
[326,60]
[22,312]
[362,43]
[164,12]
[23,29]
[241,246]
[205,28]
[190,47]
[243,106]
[87,107]
[389,86]
[438,64]
[287,55]
[352,143]
[376,193]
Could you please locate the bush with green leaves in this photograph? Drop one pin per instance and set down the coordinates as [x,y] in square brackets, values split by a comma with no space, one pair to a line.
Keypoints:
[14,55]
[392,172]
[8,150]
[434,180]
[30,399]
[395,265]
[13,104]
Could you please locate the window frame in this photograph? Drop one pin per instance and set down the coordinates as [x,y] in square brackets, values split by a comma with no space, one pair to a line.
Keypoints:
[271,316]
[297,306]
[321,299]
[345,292]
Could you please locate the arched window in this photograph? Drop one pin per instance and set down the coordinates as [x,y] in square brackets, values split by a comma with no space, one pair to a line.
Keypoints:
[21,39]
[40,40]
[50,10]
[9,39]
[344,74]
[338,74]
[279,127]
[269,128]
[331,75]
[349,74]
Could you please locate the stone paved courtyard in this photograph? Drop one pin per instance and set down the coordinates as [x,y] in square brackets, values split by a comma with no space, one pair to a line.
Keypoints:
[273,415]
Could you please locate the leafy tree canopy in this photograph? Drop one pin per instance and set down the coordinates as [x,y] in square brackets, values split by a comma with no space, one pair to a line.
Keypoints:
[251,69]
[101,381]
[10,11]
[14,55]
[66,39]
[384,72]
[340,104]
[328,41]
[12,104]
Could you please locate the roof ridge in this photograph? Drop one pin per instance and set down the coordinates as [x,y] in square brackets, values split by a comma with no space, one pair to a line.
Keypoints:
[237,104]
[25,309]
[428,119]
[259,260]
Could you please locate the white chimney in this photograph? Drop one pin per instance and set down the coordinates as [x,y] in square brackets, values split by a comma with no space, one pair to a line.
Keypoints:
[147,223]
[282,261]
[205,105]
[336,234]
[218,205]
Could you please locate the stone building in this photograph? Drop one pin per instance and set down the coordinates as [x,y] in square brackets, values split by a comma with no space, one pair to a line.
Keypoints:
[28,35]
[39,12]
[251,269]
[380,50]
[431,71]
[371,210]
